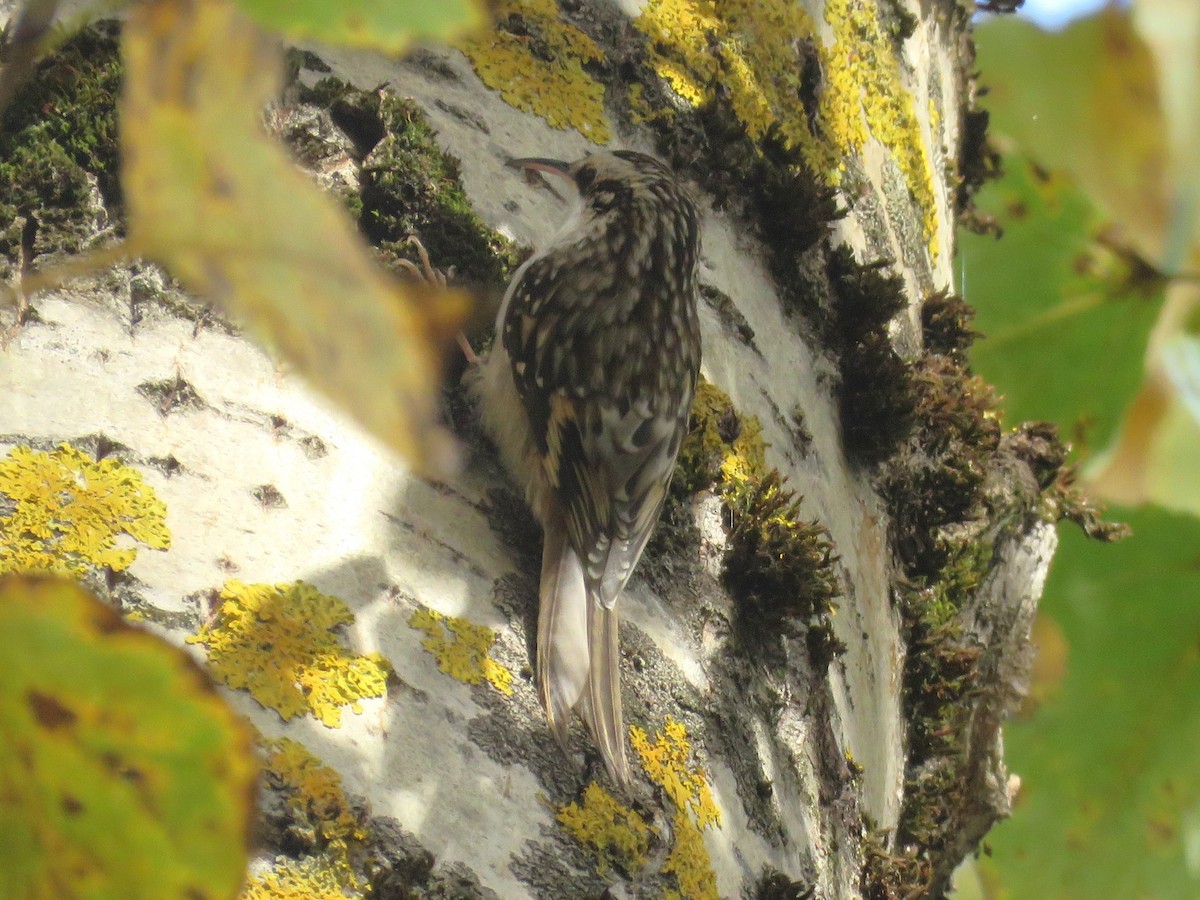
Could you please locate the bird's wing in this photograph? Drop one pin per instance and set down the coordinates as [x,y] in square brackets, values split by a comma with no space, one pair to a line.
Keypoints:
[612,466]
[608,451]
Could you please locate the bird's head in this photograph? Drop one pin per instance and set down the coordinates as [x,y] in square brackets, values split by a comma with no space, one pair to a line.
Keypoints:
[624,197]
[607,181]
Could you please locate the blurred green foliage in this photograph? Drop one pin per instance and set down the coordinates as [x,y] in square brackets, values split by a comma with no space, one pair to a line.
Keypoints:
[1086,301]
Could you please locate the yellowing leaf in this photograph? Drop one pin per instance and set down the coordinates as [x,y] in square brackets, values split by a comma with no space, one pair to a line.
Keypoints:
[1085,101]
[228,212]
[1066,322]
[382,24]
[1171,30]
[122,773]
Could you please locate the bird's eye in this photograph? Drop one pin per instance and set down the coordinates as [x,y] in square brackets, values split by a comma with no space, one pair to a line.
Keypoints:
[584,177]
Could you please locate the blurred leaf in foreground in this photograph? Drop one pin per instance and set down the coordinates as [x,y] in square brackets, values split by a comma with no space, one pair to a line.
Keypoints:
[1171,29]
[380,24]
[1085,101]
[1066,318]
[225,209]
[1110,799]
[122,772]
[1155,457]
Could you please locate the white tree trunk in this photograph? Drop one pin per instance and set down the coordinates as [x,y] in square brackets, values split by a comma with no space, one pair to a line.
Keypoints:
[265,482]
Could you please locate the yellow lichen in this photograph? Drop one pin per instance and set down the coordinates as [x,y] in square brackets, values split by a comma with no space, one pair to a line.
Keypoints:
[668,763]
[754,53]
[617,834]
[536,62]
[689,862]
[314,790]
[865,83]
[280,643]
[311,878]
[709,452]
[642,110]
[753,50]
[63,512]
[314,795]
[461,649]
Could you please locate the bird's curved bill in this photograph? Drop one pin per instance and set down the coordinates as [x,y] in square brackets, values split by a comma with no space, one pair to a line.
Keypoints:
[541,164]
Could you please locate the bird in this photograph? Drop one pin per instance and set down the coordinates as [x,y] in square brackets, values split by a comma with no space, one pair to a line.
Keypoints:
[587,392]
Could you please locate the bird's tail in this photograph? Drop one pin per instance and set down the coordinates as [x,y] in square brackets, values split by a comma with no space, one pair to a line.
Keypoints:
[562,634]
[578,658]
[600,705]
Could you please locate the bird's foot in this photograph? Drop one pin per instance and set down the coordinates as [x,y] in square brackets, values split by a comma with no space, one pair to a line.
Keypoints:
[436,278]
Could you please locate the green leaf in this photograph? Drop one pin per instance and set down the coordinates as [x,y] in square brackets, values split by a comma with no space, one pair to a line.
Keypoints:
[1065,320]
[122,773]
[1110,795]
[226,210]
[389,25]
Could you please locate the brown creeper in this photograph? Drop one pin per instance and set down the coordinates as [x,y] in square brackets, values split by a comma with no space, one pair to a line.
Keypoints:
[587,392]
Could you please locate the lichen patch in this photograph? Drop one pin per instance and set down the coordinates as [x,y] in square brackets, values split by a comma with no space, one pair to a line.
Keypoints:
[282,644]
[461,649]
[668,762]
[757,54]
[616,834]
[64,512]
[537,63]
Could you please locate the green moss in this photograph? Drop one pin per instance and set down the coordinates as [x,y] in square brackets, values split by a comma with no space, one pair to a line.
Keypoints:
[778,565]
[876,391]
[956,438]
[891,874]
[939,670]
[1039,445]
[409,187]
[762,172]
[957,489]
[717,432]
[64,512]
[58,133]
[942,488]
[281,643]
[978,163]
[774,885]
[946,324]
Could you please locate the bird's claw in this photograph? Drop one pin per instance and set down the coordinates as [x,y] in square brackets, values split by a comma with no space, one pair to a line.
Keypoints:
[425,272]
[436,278]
